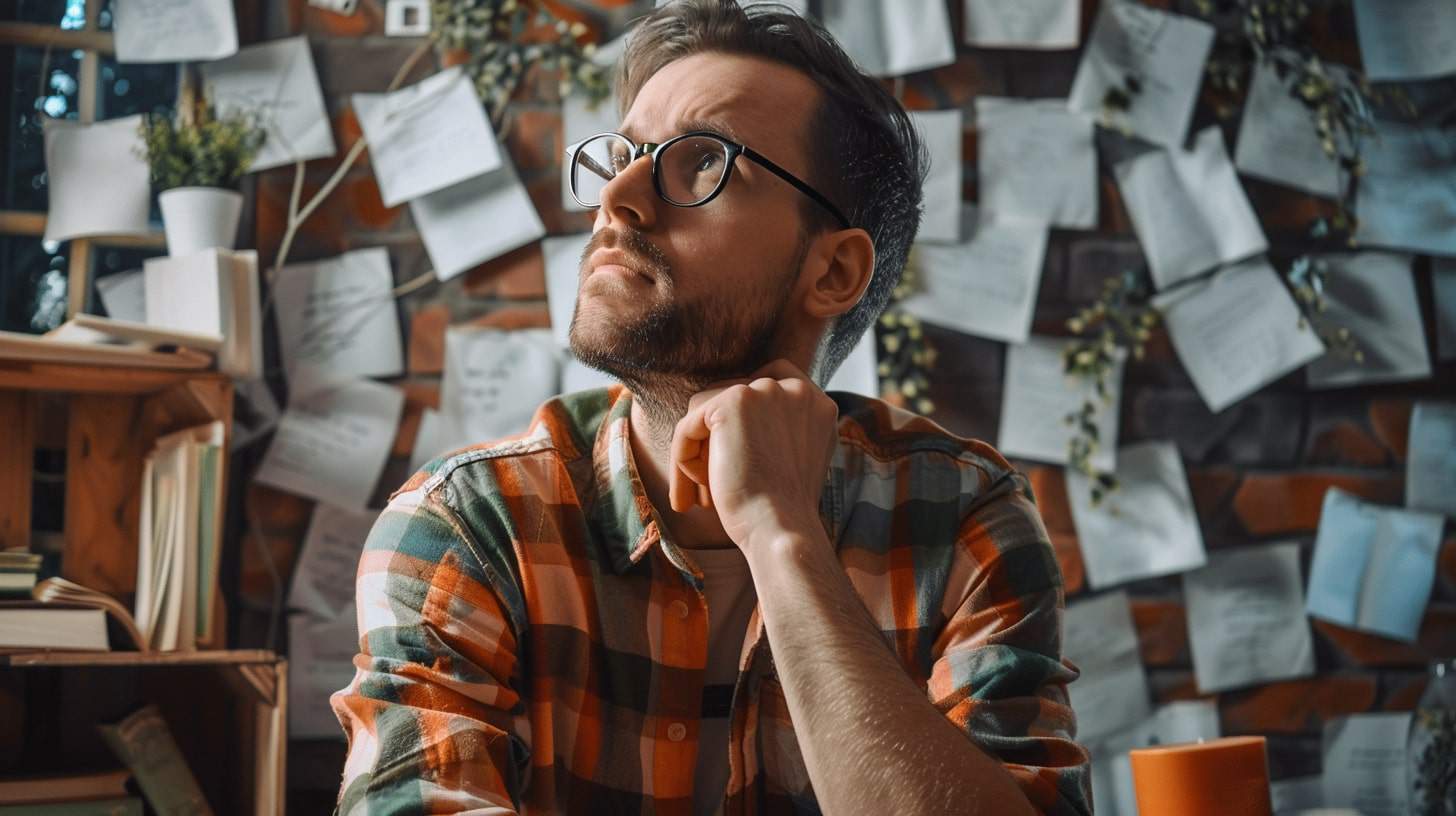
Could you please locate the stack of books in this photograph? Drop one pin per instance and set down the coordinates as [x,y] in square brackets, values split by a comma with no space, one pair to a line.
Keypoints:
[82,794]
[18,569]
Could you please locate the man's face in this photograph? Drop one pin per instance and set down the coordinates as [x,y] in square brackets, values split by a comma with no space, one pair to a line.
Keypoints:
[673,297]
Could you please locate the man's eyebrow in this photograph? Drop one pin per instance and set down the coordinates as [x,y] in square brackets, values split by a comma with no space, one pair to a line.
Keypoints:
[690,125]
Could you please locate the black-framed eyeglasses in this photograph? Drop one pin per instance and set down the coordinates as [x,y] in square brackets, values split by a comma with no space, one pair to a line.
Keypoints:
[687,171]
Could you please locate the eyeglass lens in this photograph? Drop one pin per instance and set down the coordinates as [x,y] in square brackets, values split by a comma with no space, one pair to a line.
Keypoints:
[688,170]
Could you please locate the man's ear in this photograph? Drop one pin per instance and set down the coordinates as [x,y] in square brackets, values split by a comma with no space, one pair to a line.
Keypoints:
[841,264]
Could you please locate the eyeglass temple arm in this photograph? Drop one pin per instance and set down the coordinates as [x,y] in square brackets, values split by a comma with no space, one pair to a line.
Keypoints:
[798,185]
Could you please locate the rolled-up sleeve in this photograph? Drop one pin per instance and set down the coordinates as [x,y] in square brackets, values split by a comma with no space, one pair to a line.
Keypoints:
[434,718]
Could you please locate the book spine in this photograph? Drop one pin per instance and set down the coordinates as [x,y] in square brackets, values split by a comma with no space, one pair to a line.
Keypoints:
[144,743]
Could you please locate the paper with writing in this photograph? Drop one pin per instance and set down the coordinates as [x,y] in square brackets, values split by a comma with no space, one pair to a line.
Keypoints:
[1036,160]
[275,81]
[941,135]
[1430,474]
[339,314]
[1099,638]
[1373,296]
[891,38]
[1278,142]
[320,662]
[174,30]
[476,220]
[1050,25]
[1410,39]
[1036,398]
[495,380]
[1365,763]
[323,580]
[1406,198]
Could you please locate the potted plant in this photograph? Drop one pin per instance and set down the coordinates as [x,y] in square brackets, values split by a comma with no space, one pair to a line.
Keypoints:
[197,158]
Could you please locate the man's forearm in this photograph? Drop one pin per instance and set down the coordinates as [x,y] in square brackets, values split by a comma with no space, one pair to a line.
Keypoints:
[871,739]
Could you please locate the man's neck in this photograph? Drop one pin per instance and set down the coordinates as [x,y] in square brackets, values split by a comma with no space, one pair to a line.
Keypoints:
[651,435]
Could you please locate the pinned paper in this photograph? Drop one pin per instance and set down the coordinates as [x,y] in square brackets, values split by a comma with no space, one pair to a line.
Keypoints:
[323,580]
[320,662]
[427,137]
[1277,139]
[1036,398]
[1373,566]
[891,38]
[332,443]
[1163,53]
[174,30]
[495,380]
[275,81]
[476,220]
[339,315]
[1036,161]
[1111,693]
[1236,331]
[1246,618]
[940,132]
[1023,24]
[1405,199]
[1410,39]
[1189,210]
[563,279]
[98,178]
[1372,295]
[1147,527]
[1365,763]
[986,285]
[1430,474]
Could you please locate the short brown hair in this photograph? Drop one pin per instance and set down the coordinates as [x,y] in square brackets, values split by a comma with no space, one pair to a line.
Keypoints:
[866,156]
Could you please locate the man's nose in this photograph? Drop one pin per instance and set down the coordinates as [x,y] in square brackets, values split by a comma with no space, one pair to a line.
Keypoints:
[629,197]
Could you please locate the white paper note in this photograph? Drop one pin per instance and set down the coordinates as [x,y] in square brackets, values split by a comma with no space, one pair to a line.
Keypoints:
[1430,475]
[1099,638]
[941,134]
[476,220]
[124,295]
[1027,24]
[338,314]
[427,137]
[1036,398]
[276,81]
[1246,618]
[323,579]
[859,373]
[320,662]
[1036,160]
[1237,331]
[1373,566]
[495,380]
[1364,763]
[563,279]
[1164,52]
[986,285]
[891,38]
[1406,198]
[1443,282]
[1277,139]
[334,439]
[1146,527]
[1171,724]
[98,178]
[1189,210]
[174,30]
[1408,39]
[186,292]
[1373,296]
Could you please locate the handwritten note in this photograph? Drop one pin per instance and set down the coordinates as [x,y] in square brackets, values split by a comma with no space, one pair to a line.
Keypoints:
[941,133]
[1237,331]
[427,137]
[1372,295]
[478,219]
[333,441]
[1364,763]
[1430,475]
[563,277]
[986,285]
[276,81]
[494,380]
[1406,40]
[1373,566]
[1037,397]
[1189,210]
[891,38]
[1147,527]
[124,295]
[1029,24]
[1036,160]
[98,178]
[1406,198]
[323,579]
[1163,53]
[339,314]
[1112,692]
[1277,139]
[320,662]
[174,30]
[1246,618]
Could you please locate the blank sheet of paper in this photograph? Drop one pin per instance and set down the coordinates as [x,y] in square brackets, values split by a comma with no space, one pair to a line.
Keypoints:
[1036,160]
[495,380]
[1430,474]
[174,30]
[98,178]
[1165,52]
[891,38]
[275,80]
[1050,25]
[1189,209]
[1277,139]
[1373,296]
[338,314]
[941,133]
[1236,331]
[1364,763]
[1409,39]
[1246,618]
[476,220]
[1099,638]
[1406,198]
[323,580]
[1146,527]
[1036,398]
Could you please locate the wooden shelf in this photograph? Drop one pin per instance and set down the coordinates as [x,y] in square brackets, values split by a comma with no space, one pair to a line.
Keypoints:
[201,657]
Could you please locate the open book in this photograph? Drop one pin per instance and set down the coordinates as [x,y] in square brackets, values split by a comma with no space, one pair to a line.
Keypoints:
[69,593]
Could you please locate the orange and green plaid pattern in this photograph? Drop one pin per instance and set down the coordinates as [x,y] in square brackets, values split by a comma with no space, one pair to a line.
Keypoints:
[531,642]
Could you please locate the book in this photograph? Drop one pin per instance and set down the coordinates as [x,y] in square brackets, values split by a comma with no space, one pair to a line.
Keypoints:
[26,627]
[16,583]
[63,592]
[215,293]
[144,743]
[35,348]
[64,788]
[125,806]
[148,335]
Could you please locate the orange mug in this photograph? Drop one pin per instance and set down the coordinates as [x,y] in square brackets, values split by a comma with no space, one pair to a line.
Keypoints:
[1226,777]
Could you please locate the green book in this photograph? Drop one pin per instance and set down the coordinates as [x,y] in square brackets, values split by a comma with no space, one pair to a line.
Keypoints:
[144,744]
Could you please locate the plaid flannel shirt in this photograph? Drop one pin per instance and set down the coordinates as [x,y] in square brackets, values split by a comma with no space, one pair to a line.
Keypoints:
[531,641]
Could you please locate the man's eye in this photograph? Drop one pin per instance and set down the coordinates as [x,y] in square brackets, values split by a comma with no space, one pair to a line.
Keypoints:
[707,162]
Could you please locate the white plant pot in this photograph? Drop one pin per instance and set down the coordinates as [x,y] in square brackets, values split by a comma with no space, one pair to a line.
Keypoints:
[198,218]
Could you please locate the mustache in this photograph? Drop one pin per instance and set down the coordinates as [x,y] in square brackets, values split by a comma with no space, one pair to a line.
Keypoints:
[640,251]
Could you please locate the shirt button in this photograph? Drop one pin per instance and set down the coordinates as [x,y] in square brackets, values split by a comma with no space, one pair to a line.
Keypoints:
[680,609]
[676,732]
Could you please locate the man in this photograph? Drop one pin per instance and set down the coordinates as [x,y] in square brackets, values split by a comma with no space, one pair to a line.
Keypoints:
[719,589]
